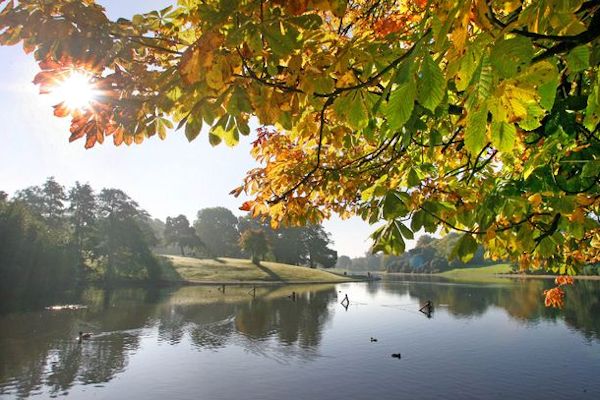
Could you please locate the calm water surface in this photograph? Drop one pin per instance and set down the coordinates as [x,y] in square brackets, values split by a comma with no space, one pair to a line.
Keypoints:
[482,342]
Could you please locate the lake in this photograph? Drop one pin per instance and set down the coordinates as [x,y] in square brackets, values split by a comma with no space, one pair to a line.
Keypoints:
[493,341]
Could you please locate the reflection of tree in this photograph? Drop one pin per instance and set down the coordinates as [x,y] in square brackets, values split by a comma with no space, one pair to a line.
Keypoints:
[522,300]
[54,361]
[43,350]
[38,350]
[461,300]
[299,321]
[582,309]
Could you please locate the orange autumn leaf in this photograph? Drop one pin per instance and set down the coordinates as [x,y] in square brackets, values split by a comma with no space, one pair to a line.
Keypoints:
[563,280]
[246,206]
[554,297]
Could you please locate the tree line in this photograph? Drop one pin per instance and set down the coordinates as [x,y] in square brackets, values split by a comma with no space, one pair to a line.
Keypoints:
[429,255]
[55,237]
[217,232]
[52,237]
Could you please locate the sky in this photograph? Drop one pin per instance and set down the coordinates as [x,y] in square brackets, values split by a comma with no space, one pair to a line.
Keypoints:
[166,178]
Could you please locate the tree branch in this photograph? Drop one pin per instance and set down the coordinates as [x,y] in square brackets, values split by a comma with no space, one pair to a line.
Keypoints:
[310,173]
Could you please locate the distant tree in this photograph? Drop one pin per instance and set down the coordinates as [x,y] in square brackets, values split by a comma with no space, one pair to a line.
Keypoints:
[3,196]
[288,246]
[82,216]
[255,242]
[178,231]
[217,229]
[158,227]
[425,240]
[33,257]
[53,198]
[303,245]
[46,201]
[317,243]
[32,198]
[344,262]
[124,236]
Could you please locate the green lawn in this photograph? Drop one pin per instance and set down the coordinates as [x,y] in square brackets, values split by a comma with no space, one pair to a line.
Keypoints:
[205,294]
[237,270]
[478,274]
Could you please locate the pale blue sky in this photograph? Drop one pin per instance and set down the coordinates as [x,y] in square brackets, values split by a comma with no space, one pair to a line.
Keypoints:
[167,178]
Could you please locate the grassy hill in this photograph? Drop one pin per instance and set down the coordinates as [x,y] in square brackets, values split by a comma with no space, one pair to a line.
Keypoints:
[477,274]
[232,270]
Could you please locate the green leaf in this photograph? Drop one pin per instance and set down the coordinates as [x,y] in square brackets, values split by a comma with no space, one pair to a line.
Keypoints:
[224,130]
[510,56]
[475,130]
[417,221]
[407,233]
[546,247]
[401,104]
[591,169]
[413,178]
[193,127]
[307,21]
[394,205]
[432,84]
[352,109]
[213,139]
[281,44]
[547,93]
[482,83]
[389,239]
[239,102]
[592,111]
[468,66]
[578,59]
[465,248]
[375,190]
[503,136]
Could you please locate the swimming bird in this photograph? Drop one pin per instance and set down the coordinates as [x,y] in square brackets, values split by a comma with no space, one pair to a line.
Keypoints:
[373,339]
[85,335]
[397,355]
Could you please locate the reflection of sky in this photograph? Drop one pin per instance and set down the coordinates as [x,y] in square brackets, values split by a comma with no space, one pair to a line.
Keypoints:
[167,179]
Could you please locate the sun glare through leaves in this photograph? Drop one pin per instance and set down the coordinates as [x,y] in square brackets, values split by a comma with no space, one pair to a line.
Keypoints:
[75,91]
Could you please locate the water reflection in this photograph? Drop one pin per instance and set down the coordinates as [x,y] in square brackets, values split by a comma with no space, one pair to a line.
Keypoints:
[39,353]
[521,299]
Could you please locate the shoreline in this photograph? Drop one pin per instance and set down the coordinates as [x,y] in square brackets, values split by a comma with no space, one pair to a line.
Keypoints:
[508,276]
[528,276]
[260,283]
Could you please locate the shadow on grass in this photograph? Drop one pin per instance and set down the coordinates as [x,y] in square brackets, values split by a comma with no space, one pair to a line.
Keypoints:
[167,270]
[217,259]
[269,272]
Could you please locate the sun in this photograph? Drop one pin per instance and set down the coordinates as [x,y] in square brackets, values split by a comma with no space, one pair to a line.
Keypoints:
[76,90]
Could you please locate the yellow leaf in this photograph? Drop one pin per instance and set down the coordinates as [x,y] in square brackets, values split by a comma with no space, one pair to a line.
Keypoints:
[584,200]
[214,77]
[198,56]
[348,79]
[535,199]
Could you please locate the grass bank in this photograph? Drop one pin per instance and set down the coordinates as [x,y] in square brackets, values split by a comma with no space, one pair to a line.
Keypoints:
[488,273]
[232,270]
[497,273]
